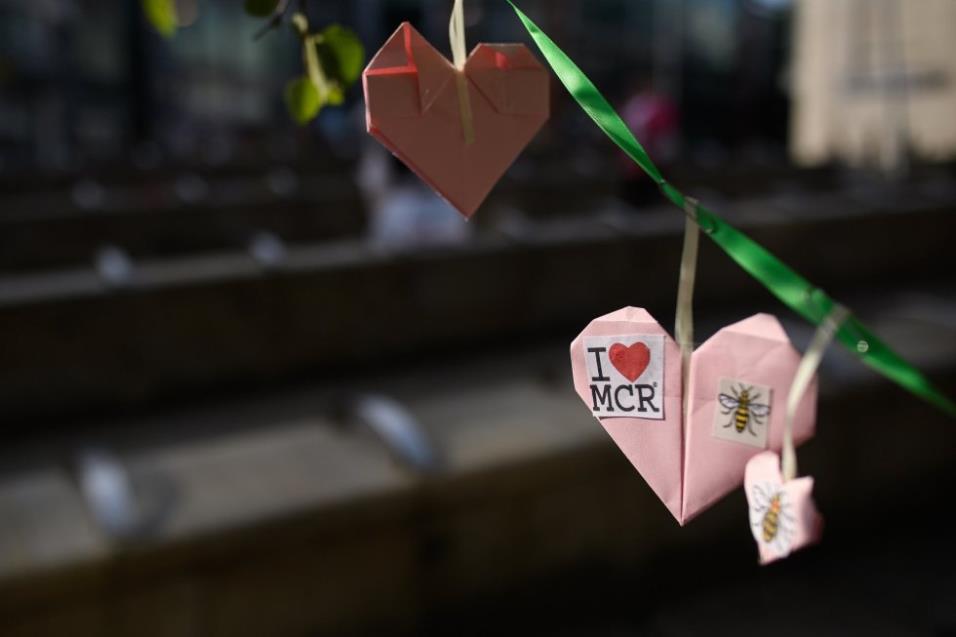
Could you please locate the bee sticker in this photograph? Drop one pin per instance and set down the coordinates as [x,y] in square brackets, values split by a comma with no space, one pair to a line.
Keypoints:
[742,413]
[771,518]
[782,515]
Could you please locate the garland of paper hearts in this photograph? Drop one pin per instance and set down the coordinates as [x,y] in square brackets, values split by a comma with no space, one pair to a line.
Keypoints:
[783,517]
[689,433]
[793,290]
[771,510]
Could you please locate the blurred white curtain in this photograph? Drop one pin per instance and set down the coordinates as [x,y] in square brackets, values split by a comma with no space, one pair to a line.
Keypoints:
[873,78]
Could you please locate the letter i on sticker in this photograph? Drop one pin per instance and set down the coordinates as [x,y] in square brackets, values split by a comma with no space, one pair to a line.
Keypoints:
[626,375]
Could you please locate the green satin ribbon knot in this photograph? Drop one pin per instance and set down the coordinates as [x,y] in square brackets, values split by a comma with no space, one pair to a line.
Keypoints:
[792,289]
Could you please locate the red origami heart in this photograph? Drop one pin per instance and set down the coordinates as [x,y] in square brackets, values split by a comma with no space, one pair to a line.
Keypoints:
[630,361]
[412,108]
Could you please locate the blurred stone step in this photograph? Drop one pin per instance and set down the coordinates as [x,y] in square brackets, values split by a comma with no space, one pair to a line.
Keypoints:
[190,215]
[286,520]
[73,340]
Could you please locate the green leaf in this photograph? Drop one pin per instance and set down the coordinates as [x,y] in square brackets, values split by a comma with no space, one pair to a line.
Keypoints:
[335,96]
[161,14]
[346,50]
[261,8]
[303,100]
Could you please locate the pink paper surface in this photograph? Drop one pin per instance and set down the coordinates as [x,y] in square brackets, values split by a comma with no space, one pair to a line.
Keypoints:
[753,351]
[412,108]
[691,462]
[652,446]
[783,516]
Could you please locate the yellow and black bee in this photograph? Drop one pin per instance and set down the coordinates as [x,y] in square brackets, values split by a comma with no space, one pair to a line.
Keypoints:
[771,518]
[745,409]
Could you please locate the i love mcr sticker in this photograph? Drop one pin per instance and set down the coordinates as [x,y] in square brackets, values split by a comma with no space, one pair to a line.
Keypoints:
[626,375]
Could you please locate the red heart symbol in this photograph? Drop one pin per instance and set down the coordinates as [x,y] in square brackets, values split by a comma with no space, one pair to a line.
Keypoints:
[413,109]
[630,361]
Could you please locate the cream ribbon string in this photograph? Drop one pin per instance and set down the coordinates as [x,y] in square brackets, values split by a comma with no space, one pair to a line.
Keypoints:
[456,33]
[684,317]
[801,380]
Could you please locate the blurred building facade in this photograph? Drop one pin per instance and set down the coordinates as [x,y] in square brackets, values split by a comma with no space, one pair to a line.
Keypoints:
[84,81]
[874,81]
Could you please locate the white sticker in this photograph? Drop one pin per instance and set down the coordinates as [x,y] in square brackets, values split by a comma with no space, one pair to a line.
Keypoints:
[771,518]
[742,412]
[626,375]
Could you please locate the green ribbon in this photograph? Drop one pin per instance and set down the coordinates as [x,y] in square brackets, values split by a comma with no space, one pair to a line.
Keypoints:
[792,289]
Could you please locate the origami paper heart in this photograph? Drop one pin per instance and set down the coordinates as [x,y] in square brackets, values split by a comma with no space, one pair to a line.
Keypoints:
[737,383]
[630,361]
[413,109]
[783,517]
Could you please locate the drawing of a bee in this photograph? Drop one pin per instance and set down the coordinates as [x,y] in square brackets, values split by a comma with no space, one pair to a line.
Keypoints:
[745,409]
[771,518]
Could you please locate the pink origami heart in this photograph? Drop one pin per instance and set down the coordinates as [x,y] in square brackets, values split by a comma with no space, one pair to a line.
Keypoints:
[737,383]
[413,109]
[783,517]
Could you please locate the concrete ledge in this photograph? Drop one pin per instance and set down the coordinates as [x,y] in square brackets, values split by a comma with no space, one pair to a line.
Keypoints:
[286,521]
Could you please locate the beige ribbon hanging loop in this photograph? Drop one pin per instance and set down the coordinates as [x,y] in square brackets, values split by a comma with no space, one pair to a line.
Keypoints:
[801,380]
[684,323]
[456,34]
[684,317]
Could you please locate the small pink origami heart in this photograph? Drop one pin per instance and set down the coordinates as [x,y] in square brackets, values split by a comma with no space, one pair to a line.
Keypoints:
[413,109]
[783,517]
[628,371]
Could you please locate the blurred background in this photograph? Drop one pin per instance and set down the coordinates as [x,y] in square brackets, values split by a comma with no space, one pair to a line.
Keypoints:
[255,379]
